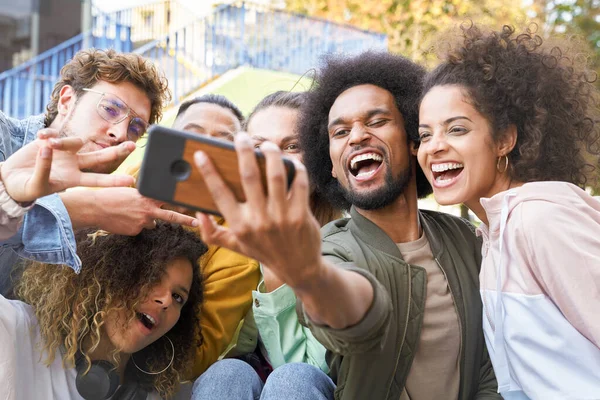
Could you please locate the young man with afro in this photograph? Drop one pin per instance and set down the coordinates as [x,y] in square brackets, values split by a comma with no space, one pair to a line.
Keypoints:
[392,292]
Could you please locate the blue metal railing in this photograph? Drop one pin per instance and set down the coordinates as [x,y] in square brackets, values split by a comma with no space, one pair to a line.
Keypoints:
[232,35]
[279,40]
[243,33]
[148,22]
[26,89]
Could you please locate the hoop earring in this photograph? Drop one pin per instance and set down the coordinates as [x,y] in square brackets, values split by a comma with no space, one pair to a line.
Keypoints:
[166,368]
[505,164]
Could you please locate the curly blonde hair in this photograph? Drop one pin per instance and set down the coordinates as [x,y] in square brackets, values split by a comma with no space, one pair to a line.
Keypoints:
[88,67]
[118,273]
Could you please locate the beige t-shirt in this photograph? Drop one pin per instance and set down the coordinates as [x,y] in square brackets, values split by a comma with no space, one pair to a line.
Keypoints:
[435,371]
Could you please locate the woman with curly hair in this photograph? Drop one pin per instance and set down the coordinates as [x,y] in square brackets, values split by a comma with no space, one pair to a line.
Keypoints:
[510,126]
[126,326]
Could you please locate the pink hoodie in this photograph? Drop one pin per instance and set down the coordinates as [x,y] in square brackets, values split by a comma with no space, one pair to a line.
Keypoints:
[543,330]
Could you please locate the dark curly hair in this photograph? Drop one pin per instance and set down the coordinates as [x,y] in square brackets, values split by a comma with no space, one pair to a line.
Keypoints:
[396,74]
[118,272]
[546,91]
[215,99]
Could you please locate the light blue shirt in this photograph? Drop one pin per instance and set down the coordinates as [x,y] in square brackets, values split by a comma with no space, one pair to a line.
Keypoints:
[47,233]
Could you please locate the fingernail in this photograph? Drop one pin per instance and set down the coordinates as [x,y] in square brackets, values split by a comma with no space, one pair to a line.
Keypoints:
[54,142]
[269,146]
[46,152]
[200,158]
[244,140]
[195,223]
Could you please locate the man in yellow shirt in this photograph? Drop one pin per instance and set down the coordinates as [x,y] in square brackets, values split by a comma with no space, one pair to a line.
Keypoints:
[229,277]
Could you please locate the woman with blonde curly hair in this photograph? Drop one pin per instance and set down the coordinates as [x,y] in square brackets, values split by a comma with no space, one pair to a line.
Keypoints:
[510,126]
[126,326]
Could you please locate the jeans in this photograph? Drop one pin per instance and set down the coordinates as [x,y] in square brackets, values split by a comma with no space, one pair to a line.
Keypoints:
[236,380]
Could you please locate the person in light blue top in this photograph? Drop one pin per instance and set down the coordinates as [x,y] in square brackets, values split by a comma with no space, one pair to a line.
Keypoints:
[107,99]
[290,349]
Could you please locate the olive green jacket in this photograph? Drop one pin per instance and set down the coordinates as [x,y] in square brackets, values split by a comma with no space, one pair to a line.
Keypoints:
[372,359]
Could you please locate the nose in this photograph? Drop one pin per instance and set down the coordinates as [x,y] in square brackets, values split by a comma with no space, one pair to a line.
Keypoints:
[118,132]
[162,296]
[437,143]
[358,134]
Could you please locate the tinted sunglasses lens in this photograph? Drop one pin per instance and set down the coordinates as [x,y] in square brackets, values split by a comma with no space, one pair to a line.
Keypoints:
[137,128]
[112,110]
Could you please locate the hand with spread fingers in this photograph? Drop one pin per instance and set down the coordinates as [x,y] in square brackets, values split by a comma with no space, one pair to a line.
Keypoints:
[123,211]
[51,164]
[279,230]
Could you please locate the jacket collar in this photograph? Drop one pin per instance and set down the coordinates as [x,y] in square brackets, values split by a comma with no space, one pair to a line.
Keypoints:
[374,236]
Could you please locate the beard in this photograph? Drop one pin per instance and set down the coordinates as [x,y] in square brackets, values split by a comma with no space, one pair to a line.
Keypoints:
[67,131]
[393,187]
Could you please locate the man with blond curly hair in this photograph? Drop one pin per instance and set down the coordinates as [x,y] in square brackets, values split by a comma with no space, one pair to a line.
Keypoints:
[107,99]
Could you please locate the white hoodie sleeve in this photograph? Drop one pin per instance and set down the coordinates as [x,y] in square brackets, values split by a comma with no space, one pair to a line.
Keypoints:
[11,316]
[563,244]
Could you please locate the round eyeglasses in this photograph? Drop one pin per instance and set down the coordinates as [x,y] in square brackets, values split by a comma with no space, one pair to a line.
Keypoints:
[114,110]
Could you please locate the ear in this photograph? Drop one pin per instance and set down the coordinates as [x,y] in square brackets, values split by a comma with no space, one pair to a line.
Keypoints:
[66,100]
[333,173]
[413,147]
[507,141]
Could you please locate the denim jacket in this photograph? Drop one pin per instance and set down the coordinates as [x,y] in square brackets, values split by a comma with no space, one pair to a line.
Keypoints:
[47,233]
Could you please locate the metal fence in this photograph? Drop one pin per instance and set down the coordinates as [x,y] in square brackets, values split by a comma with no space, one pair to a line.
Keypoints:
[148,22]
[243,33]
[232,35]
[26,89]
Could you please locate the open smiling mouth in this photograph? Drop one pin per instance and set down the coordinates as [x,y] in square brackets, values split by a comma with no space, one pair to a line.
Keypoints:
[365,165]
[146,320]
[444,174]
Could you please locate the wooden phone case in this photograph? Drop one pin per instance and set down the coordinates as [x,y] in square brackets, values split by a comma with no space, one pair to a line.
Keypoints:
[169,173]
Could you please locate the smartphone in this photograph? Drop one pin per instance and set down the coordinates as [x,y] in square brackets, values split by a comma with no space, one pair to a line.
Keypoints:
[169,173]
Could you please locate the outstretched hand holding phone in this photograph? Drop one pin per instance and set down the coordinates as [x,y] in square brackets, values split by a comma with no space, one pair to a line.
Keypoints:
[277,228]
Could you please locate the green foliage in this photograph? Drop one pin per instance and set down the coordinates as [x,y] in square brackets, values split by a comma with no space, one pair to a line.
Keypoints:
[412,24]
[573,17]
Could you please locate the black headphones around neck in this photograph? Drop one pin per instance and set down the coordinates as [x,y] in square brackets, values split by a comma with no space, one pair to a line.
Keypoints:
[102,381]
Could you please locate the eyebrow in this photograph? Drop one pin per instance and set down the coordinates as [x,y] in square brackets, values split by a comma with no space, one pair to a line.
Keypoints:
[261,139]
[117,102]
[366,115]
[446,122]
[184,290]
[125,105]
[191,125]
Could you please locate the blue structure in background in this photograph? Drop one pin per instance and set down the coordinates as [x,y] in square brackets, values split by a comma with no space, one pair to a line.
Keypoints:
[193,53]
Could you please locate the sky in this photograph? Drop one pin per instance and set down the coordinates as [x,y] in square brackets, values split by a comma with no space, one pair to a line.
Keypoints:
[198,6]
[17,9]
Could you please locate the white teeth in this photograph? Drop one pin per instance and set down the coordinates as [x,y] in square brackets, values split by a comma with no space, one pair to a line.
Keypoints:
[152,320]
[365,174]
[442,181]
[445,167]
[365,156]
